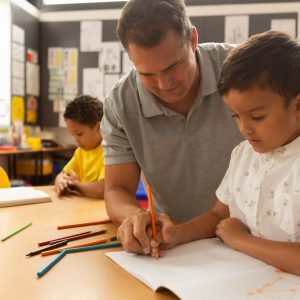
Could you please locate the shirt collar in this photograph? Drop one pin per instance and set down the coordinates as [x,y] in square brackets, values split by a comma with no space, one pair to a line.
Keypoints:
[152,107]
[287,150]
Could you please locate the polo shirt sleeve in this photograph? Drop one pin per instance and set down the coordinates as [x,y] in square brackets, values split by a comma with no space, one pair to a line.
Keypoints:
[116,146]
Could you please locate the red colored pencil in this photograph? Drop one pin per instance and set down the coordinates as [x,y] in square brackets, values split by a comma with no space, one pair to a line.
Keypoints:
[84,224]
[81,236]
[62,238]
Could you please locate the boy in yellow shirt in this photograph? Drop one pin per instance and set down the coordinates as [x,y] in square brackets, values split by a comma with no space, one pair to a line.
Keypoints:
[85,171]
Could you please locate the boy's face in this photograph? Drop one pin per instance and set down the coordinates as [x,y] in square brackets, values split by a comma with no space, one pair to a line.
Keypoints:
[85,136]
[263,117]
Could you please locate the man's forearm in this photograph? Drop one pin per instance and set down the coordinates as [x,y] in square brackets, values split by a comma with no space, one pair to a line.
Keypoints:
[120,204]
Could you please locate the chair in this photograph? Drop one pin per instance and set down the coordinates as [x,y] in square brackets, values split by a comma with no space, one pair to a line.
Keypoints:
[4,180]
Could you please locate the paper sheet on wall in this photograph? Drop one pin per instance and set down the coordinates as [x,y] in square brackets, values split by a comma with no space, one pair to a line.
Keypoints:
[90,36]
[18,34]
[126,63]
[18,86]
[208,269]
[32,79]
[93,83]
[236,29]
[285,25]
[54,58]
[109,57]
[18,52]
[18,69]
[110,80]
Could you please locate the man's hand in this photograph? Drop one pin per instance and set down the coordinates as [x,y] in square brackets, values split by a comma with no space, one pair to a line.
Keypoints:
[133,233]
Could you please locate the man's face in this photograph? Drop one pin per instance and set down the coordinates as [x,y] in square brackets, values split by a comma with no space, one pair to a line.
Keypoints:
[169,69]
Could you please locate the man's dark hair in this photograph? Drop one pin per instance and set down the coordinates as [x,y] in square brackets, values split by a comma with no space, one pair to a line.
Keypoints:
[269,60]
[145,22]
[85,110]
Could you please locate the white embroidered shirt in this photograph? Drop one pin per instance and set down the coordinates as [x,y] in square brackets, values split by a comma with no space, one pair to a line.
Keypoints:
[263,190]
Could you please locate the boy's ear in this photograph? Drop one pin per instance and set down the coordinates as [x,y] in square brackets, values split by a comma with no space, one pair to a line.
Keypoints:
[297,100]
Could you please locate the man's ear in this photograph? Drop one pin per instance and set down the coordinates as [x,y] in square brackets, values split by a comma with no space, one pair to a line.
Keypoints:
[194,38]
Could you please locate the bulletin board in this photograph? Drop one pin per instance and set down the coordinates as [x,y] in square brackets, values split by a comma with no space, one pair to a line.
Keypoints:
[29,103]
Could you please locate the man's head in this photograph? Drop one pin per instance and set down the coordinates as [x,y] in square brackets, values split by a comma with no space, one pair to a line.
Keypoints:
[83,116]
[260,84]
[146,22]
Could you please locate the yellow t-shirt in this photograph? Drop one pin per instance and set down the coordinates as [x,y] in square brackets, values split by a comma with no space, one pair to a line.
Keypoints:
[88,165]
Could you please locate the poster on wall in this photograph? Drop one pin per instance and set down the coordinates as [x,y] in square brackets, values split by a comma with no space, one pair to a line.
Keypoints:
[285,25]
[109,57]
[90,36]
[93,83]
[236,29]
[32,79]
[31,110]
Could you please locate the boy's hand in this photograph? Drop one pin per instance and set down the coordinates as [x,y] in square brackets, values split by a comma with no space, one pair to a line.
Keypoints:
[165,237]
[71,179]
[61,185]
[232,231]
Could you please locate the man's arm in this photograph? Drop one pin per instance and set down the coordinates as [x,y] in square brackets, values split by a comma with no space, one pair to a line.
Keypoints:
[121,182]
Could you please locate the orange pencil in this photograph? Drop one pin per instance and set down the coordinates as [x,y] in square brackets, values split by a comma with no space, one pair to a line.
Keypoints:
[84,224]
[149,192]
[49,252]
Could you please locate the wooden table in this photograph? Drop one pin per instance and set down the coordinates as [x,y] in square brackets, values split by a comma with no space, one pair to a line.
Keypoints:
[86,275]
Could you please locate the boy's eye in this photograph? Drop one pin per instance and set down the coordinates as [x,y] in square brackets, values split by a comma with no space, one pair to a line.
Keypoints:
[257,118]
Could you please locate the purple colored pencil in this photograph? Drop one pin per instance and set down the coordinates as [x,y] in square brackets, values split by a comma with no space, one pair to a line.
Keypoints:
[62,238]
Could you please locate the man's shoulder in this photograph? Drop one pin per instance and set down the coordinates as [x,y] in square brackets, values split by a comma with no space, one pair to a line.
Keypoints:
[216,47]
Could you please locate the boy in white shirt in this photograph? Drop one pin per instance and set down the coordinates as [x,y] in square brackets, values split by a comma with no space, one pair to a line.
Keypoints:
[85,171]
[258,202]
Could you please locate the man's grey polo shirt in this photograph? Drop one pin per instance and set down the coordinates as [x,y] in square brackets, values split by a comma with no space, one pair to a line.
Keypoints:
[182,158]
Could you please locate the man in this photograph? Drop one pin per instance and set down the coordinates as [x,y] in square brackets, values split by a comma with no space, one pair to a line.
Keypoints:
[166,119]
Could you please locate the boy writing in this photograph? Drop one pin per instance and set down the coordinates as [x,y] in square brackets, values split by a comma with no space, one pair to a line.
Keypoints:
[258,207]
[85,171]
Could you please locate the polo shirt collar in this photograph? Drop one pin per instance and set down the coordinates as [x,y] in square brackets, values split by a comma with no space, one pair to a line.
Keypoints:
[152,107]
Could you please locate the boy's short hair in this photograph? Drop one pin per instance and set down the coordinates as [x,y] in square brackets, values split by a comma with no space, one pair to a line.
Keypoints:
[85,110]
[266,60]
[145,22]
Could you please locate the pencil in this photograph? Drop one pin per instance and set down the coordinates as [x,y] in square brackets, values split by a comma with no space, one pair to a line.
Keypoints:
[62,238]
[82,236]
[84,224]
[150,204]
[56,245]
[16,231]
[95,247]
[55,251]
[51,264]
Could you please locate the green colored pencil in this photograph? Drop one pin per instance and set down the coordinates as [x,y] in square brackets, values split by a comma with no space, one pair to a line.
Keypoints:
[17,231]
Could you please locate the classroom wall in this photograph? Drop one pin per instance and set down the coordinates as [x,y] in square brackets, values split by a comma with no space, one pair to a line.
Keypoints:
[59,27]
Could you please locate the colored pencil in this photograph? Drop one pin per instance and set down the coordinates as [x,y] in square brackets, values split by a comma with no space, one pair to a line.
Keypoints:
[62,238]
[64,252]
[51,264]
[95,247]
[74,238]
[84,224]
[55,251]
[16,231]
[59,244]
[150,204]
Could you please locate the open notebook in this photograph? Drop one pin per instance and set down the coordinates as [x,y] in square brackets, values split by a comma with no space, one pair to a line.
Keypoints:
[22,195]
[208,269]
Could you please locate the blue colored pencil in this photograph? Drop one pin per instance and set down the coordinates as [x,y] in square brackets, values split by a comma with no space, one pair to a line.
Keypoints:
[51,264]
[95,247]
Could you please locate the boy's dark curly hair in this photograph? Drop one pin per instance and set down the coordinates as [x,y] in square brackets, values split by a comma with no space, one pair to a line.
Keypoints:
[85,110]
